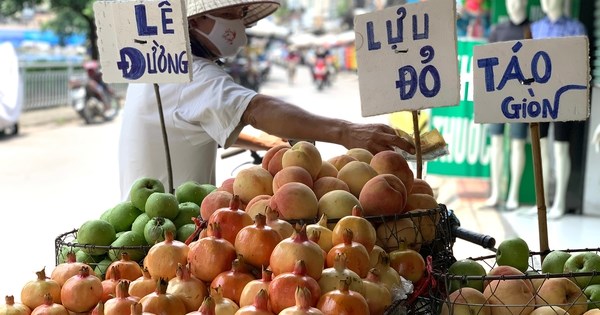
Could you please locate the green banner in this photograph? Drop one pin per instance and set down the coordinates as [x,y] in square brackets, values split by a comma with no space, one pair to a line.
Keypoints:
[469,154]
[468,142]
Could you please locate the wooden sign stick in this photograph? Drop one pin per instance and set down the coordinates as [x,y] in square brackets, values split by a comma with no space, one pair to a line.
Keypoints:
[539,188]
[417,132]
[165,138]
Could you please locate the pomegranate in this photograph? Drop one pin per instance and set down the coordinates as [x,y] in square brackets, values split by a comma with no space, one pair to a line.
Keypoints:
[223,305]
[284,228]
[122,302]
[252,288]
[232,219]
[161,302]
[343,301]
[233,281]
[69,268]
[282,288]
[363,230]
[48,308]
[388,276]
[143,285]
[82,292]
[303,304]
[256,242]
[208,307]
[109,285]
[297,247]
[259,307]
[33,292]
[188,288]
[356,254]
[10,307]
[325,241]
[163,257]
[211,255]
[128,268]
[377,295]
[330,278]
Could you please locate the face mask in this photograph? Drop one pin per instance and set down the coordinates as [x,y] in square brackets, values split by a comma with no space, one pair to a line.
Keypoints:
[229,36]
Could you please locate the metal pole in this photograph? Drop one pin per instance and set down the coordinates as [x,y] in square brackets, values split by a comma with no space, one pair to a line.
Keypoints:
[165,138]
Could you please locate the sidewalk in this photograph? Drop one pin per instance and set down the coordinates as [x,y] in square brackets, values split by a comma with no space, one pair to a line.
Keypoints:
[55,115]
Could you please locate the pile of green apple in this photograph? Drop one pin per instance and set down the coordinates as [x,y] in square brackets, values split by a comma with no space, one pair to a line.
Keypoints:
[498,291]
[140,222]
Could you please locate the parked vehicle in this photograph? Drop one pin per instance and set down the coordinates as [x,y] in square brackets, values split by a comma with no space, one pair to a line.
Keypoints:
[10,90]
[244,71]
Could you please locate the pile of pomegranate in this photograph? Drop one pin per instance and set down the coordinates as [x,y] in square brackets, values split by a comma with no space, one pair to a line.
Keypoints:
[251,260]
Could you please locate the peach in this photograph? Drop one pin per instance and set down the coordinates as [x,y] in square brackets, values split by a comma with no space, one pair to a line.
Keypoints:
[339,161]
[257,205]
[271,153]
[391,162]
[420,186]
[562,291]
[467,301]
[390,233]
[420,201]
[324,185]
[426,224]
[509,297]
[356,174]
[295,201]
[360,154]
[274,164]
[305,155]
[227,185]
[549,310]
[292,174]
[506,271]
[212,202]
[251,182]
[337,204]
[327,170]
[383,194]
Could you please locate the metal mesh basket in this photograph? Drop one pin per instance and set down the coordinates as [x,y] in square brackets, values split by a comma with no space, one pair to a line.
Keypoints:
[497,286]
[98,257]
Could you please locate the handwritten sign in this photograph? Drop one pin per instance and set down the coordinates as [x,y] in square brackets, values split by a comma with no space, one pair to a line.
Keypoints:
[143,41]
[540,80]
[407,58]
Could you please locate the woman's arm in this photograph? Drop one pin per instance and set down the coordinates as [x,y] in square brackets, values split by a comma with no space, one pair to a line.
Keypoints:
[288,121]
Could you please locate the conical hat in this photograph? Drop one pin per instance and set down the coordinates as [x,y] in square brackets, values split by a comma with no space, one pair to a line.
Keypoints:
[257,9]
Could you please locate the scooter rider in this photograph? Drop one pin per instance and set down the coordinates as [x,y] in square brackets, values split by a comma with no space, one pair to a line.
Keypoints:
[96,86]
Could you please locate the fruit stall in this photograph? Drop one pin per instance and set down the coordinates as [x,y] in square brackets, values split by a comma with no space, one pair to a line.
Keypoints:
[357,233]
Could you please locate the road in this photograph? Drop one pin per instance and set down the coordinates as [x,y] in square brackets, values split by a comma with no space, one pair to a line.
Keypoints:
[55,177]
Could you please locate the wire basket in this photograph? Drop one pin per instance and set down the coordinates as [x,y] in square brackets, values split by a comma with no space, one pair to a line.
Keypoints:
[98,257]
[536,290]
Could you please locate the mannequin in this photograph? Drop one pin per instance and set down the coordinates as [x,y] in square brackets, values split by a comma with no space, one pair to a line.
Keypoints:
[556,24]
[517,27]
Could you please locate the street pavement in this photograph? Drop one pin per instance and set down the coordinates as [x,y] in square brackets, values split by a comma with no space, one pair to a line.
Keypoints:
[463,195]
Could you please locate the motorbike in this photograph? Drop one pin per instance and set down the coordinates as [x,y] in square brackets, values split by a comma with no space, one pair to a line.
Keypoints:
[88,104]
[320,74]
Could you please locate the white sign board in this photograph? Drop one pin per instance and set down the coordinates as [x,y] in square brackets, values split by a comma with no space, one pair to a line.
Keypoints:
[407,58]
[143,41]
[541,80]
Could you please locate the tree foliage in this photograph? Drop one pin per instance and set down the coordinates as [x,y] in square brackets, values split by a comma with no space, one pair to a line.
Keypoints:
[71,17]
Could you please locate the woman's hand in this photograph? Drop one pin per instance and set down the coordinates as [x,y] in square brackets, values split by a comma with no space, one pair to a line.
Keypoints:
[376,138]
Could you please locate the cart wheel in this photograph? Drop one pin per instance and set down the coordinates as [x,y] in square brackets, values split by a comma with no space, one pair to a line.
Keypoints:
[10,130]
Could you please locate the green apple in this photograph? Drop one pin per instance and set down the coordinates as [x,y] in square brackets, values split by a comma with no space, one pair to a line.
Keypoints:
[96,232]
[192,191]
[187,211]
[466,267]
[513,252]
[161,204]
[154,231]
[142,188]
[122,216]
[554,262]
[593,294]
[584,262]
